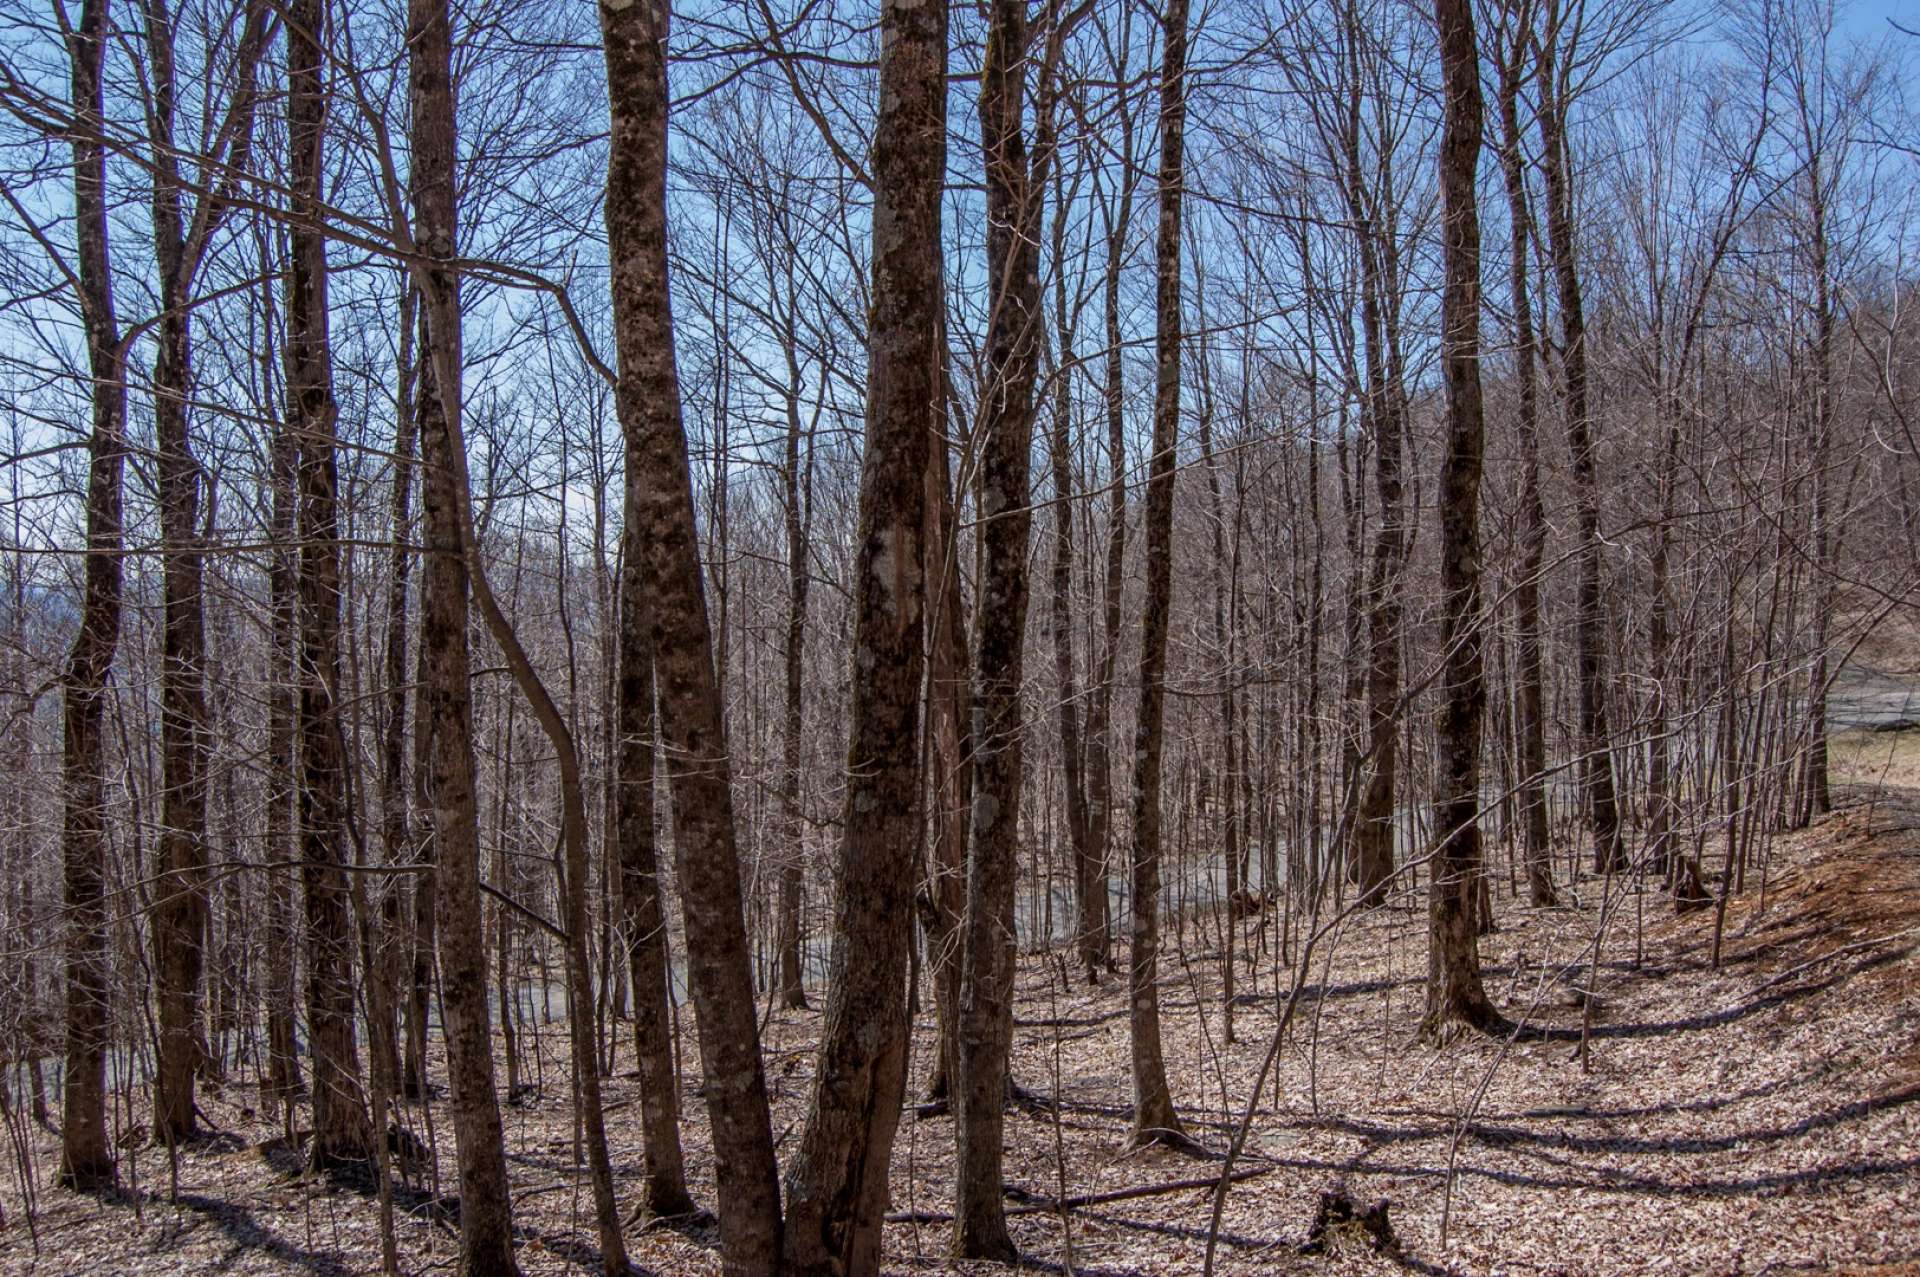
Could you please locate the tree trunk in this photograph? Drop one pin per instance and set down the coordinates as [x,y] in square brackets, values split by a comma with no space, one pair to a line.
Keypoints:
[1372,855]
[663,1190]
[837,1186]
[1005,432]
[1226,619]
[791,987]
[486,1222]
[943,902]
[283,1061]
[402,843]
[1530,694]
[1096,930]
[452,572]
[648,401]
[180,233]
[86,1158]
[1454,991]
[179,926]
[1589,620]
[1089,872]
[1154,1118]
[1818,798]
[342,1132]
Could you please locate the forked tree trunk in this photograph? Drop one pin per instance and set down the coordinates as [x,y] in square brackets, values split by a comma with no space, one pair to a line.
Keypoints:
[837,1186]
[705,849]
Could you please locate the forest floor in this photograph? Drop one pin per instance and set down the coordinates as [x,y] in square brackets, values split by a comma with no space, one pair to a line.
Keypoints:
[1755,1117]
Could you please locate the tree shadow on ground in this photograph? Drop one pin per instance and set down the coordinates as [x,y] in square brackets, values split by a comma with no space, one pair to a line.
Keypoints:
[1504,1136]
[1228,1238]
[1602,1179]
[249,1238]
[1527,1032]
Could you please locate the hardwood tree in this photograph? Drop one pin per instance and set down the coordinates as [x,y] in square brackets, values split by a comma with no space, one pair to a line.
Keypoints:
[1454,990]
[664,1191]
[1511,38]
[182,230]
[837,1184]
[342,1131]
[1558,27]
[1154,1119]
[1004,433]
[86,1158]
[486,1218]
[647,398]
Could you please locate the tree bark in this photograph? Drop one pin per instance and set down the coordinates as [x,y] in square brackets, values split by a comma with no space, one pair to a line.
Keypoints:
[453,572]
[86,1158]
[1089,871]
[648,401]
[943,901]
[837,1186]
[1384,412]
[402,842]
[1454,991]
[180,234]
[1005,431]
[1530,693]
[791,986]
[282,1082]
[1096,929]
[1154,1118]
[663,1190]
[1589,619]
[179,927]
[486,1220]
[342,1131]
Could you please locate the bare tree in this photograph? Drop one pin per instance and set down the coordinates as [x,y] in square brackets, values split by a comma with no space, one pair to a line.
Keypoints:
[694,734]
[1511,37]
[837,1187]
[86,1159]
[342,1133]
[486,1221]
[1154,1118]
[1005,438]
[1454,991]
[664,1192]
[1553,69]
[181,232]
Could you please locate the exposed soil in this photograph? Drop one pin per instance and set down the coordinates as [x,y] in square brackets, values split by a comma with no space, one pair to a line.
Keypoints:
[1761,1117]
